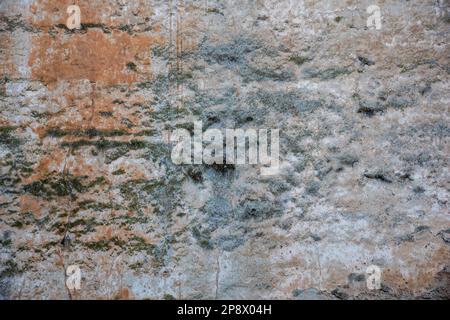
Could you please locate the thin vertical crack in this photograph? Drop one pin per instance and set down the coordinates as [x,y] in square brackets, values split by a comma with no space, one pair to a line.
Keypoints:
[217,276]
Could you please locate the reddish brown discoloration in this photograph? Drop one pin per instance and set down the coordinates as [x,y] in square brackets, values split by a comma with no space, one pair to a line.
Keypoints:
[91,111]
[47,165]
[94,56]
[48,13]
[124,294]
[31,204]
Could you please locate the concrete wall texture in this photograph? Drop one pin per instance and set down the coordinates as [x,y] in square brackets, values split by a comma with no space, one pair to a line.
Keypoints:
[361,98]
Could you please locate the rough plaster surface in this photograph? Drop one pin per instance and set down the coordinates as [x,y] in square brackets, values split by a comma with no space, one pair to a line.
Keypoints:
[86,176]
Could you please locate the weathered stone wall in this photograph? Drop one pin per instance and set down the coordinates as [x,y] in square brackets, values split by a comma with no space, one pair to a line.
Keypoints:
[87,178]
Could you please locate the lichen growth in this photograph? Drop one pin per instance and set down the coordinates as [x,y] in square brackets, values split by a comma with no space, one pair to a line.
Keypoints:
[299,60]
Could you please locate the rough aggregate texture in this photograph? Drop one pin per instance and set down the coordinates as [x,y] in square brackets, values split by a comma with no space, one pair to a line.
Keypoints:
[86,176]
